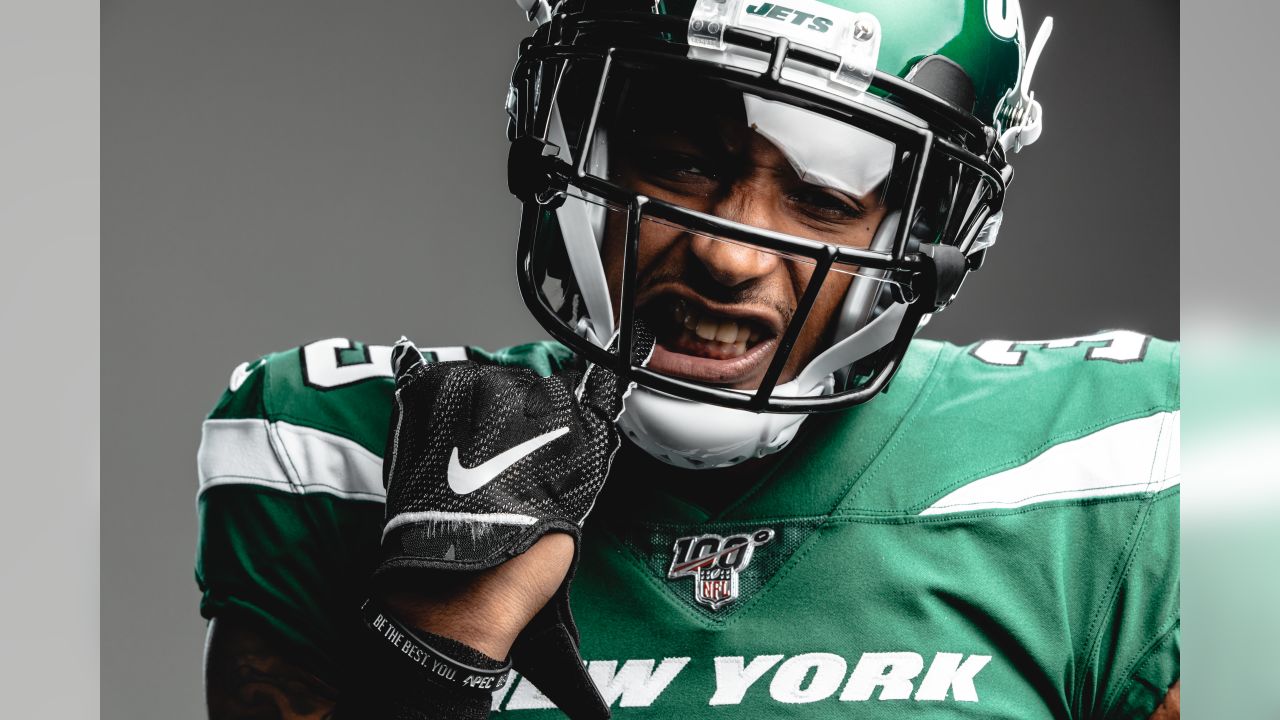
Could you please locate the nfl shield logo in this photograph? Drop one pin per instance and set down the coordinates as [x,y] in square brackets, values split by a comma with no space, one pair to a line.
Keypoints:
[714,563]
[716,587]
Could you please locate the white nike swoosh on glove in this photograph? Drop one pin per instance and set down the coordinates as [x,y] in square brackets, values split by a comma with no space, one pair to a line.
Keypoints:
[464,480]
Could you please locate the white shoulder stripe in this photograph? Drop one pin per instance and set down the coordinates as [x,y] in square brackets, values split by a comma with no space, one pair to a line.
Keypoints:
[287,457]
[1131,457]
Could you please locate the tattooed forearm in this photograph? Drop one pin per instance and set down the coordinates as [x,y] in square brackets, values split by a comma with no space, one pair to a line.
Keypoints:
[247,679]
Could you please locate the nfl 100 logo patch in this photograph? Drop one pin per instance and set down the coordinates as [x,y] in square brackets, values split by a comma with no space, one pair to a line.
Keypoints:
[714,563]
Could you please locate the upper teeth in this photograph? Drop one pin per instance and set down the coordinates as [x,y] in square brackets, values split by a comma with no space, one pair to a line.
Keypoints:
[723,330]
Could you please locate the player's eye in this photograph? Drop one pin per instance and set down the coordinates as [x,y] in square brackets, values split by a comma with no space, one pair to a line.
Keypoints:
[675,169]
[826,205]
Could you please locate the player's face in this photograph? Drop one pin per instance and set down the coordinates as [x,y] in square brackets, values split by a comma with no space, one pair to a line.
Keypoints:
[719,307]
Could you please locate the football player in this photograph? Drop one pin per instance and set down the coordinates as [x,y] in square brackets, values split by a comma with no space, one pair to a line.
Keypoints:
[760,495]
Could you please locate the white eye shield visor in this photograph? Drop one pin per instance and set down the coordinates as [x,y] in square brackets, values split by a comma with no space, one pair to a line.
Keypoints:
[622,142]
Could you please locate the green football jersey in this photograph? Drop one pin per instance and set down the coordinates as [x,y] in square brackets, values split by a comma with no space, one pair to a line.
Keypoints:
[996,537]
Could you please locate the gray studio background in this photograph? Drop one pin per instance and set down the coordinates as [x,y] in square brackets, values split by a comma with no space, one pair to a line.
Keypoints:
[285,171]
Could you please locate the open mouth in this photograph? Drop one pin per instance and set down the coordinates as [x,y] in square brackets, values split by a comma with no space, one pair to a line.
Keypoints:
[697,343]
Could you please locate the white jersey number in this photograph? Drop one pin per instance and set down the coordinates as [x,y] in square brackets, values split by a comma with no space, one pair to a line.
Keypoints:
[338,362]
[1119,346]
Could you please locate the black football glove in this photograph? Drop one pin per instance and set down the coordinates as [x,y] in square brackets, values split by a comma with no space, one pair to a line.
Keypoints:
[482,461]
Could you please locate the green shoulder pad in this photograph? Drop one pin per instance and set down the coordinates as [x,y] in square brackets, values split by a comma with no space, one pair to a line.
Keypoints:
[335,386]
[1065,387]
[344,387]
[995,406]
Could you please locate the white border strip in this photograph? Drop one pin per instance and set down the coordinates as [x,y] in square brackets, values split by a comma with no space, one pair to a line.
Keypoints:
[441,516]
[1135,456]
[288,458]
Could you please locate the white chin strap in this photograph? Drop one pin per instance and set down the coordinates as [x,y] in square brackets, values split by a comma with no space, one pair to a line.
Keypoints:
[697,436]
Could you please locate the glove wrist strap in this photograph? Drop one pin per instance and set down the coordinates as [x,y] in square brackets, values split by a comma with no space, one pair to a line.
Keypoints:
[432,662]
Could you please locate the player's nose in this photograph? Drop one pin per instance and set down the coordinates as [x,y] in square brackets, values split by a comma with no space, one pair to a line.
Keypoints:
[731,263]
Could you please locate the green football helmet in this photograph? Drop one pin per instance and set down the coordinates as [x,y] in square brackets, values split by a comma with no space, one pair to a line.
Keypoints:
[895,118]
